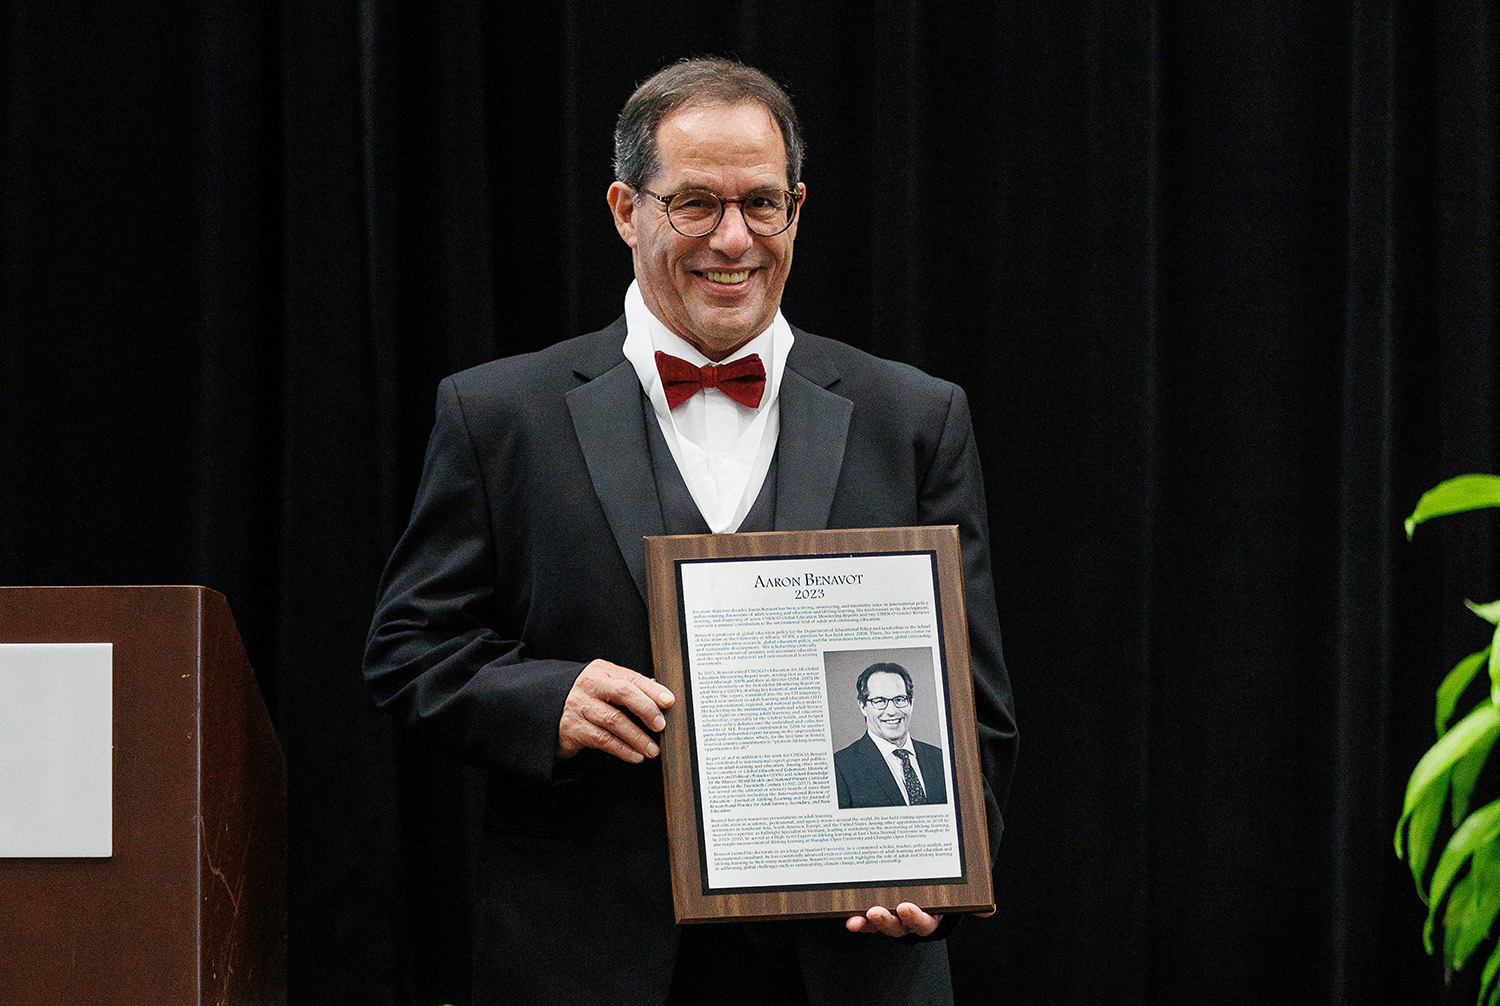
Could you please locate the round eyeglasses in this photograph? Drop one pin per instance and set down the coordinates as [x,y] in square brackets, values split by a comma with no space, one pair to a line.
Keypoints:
[880,702]
[695,213]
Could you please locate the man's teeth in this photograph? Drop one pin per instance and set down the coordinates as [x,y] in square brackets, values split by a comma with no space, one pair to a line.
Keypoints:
[728,277]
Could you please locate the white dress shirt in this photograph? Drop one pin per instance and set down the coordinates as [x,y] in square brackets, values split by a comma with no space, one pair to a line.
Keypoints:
[894,764]
[722,448]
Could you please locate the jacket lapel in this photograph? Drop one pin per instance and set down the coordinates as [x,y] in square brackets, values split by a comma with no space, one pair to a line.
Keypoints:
[610,424]
[930,761]
[611,430]
[810,446]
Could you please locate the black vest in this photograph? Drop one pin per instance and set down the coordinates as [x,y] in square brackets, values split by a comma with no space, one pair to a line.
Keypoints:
[679,513]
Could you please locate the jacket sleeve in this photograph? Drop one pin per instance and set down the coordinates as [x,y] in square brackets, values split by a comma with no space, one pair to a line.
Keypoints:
[433,658]
[952,492]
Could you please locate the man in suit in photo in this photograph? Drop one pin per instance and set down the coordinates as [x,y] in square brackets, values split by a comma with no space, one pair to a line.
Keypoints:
[886,767]
[511,627]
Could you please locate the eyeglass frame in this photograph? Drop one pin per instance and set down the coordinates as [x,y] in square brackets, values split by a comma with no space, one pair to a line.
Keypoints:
[724,201]
[901,701]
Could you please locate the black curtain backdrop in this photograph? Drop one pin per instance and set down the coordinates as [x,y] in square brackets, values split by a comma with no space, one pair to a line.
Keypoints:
[1220,280]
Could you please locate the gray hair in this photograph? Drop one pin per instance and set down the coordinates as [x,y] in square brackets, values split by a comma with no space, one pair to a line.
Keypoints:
[698,82]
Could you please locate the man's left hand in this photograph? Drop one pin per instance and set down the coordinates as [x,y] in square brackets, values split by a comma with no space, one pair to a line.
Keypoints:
[908,920]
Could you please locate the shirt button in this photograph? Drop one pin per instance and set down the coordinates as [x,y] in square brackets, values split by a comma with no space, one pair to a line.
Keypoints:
[723,455]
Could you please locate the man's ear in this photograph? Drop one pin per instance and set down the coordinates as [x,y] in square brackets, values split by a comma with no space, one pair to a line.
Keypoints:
[621,201]
[801,205]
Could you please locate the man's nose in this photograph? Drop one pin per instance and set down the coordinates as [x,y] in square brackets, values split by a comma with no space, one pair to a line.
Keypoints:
[732,237]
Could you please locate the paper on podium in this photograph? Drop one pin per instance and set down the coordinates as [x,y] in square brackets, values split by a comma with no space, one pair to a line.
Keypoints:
[56,738]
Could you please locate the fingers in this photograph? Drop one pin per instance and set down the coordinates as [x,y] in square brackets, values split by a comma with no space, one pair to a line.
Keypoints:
[915,920]
[643,697]
[575,732]
[907,920]
[607,719]
[605,709]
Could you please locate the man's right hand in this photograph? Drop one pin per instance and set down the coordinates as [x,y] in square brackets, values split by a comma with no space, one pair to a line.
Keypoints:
[605,709]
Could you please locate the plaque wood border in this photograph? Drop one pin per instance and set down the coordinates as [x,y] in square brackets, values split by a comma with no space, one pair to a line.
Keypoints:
[973,890]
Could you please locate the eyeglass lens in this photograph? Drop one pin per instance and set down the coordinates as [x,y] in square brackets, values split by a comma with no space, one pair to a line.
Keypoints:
[696,212]
[879,702]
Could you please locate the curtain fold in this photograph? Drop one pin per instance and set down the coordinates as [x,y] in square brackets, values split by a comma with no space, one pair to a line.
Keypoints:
[1219,280]
[1367,522]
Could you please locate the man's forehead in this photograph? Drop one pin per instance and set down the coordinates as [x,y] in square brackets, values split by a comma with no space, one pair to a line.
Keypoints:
[886,681]
[711,132]
[692,112]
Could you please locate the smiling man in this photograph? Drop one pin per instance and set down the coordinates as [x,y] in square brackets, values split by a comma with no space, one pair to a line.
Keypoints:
[886,767]
[512,628]
[709,274]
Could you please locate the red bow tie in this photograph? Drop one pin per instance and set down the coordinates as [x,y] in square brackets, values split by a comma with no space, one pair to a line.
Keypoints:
[744,380]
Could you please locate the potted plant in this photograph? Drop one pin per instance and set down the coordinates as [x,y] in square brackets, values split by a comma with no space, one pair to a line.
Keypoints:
[1462,887]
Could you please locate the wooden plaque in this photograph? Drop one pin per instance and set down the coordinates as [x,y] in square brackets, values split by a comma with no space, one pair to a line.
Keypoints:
[779,805]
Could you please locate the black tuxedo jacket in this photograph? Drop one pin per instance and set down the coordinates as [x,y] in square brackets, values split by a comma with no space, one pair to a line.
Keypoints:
[864,780]
[524,559]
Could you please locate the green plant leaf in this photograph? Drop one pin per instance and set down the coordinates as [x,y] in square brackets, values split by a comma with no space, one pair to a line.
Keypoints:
[1489,612]
[1489,989]
[1421,832]
[1466,770]
[1483,904]
[1486,873]
[1468,907]
[1428,786]
[1467,492]
[1453,686]
[1495,669]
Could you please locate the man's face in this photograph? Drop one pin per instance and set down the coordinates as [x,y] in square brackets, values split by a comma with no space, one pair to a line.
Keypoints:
[717,292]
[890,723]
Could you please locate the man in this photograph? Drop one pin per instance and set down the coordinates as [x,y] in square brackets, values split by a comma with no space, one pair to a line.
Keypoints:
[886,767]
[512,628]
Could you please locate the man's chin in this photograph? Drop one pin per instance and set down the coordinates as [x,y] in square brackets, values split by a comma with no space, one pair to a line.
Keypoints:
[722,332]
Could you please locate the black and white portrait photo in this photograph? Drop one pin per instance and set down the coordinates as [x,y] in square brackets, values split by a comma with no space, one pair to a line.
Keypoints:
[881,701]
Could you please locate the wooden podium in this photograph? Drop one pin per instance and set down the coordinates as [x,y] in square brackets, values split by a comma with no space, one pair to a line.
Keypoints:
[191,905]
